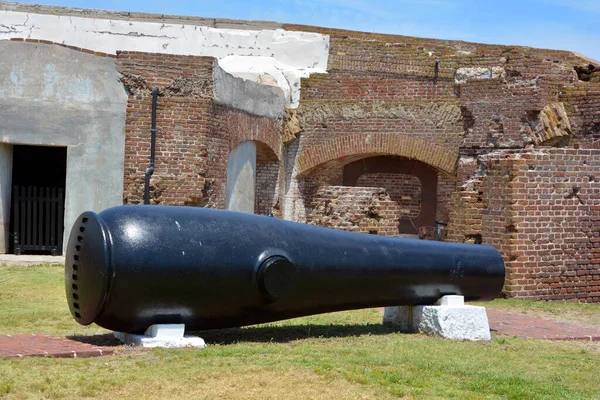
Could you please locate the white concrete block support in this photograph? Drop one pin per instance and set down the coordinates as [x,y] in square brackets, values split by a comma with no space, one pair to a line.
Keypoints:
[400,317]
[241,177]
[162,335]
[6,152]
[451,319]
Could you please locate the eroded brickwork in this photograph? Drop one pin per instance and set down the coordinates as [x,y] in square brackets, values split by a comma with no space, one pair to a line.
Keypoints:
[555,227]
[445,190]
[356,209]
[232,127]
[184,121]
[583,107]
[194,135]
[266,197]
[507,129]
[541,209]
[404,190]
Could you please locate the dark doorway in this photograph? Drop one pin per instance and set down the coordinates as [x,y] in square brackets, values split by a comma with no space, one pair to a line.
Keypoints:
[38,199]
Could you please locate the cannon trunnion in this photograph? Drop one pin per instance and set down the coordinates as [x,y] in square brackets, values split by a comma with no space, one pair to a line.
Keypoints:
[130,267]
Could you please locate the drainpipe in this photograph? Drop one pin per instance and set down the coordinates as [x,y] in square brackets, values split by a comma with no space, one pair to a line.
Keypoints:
[150,169]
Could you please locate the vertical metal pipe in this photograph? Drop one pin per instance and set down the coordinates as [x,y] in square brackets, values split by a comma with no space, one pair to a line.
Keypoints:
[150,169]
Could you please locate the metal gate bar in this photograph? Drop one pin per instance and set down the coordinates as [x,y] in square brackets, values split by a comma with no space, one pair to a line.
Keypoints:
[38,219]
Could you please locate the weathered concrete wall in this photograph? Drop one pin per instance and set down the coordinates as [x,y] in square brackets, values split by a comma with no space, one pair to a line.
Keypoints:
[248,96]
[241,176]
[139,16]
[5,192]
[285,56]
[54,96]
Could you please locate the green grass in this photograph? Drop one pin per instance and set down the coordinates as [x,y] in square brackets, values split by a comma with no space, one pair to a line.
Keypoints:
[341,355]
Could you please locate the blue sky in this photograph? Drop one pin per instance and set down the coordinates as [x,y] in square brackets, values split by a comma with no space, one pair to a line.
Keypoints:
[556,24]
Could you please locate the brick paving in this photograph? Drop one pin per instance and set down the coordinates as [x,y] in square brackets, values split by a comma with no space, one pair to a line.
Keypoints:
[48,346]
[501,323]
[527,326]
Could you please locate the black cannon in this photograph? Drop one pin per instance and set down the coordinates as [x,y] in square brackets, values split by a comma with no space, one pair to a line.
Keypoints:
[129,267]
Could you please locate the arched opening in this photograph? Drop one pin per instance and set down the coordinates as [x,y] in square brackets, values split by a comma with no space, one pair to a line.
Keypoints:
[383,195]
[252,179]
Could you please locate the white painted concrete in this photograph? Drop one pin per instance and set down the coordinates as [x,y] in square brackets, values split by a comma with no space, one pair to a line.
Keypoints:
[246,95]
[284,55]
[451,301]
[269,71]
[400,317]
[451,319]
[241,178]
[6,157]
[162,335]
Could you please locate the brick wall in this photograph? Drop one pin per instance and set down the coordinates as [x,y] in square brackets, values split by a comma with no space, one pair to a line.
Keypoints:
[341,104]
[194,135]
[404,190]
[356,209]
[402,55]
[266,196]
[397,96]
[583,107]
[445,190]
[541,209]
[556,225]
[184,121]
[232,127]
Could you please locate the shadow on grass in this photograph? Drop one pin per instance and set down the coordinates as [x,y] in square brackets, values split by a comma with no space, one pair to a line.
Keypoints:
[289,333]
[260,334]
[104,340]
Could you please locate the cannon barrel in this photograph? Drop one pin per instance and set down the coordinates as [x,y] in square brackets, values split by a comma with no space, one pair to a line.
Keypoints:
[129,267]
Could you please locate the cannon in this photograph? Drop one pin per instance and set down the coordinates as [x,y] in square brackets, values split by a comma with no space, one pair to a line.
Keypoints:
[133,266]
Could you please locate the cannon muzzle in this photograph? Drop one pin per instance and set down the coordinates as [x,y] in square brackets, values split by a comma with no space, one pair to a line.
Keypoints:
[129,267]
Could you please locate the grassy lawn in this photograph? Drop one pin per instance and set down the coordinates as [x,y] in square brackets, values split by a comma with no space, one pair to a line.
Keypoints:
[342,355]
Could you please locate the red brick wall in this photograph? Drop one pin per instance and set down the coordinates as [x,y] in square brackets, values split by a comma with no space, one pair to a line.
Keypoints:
[381,86]
[556,225]
[499,111]
[402,55]
[232,127]
[184,122]
[583,106]
[194,135]
[404,190]
[445,190]
[342,104]
[266,195]
[356,209]
[541,210]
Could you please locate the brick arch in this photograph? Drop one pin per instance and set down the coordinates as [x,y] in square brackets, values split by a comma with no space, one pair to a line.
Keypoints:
[264,152]
[353,147]
[238,127]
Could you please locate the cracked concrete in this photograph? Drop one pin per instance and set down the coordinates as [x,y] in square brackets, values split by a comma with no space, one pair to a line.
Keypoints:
[248,54]
[133,34]
[300,50]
